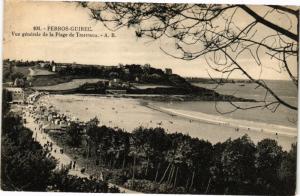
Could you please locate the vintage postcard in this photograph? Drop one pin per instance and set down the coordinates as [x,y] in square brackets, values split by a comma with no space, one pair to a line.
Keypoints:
[180,98]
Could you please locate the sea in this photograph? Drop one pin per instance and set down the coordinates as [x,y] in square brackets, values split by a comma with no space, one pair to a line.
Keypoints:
[128,113]
[282,115]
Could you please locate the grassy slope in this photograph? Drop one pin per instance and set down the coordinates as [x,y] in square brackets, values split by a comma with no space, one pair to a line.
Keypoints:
[73,84]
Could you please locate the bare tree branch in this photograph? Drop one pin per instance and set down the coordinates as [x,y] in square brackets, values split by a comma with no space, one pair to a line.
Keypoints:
[269,24]
[215,33]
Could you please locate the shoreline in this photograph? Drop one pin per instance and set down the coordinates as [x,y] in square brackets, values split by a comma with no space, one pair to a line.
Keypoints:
[124,117]
[216,120]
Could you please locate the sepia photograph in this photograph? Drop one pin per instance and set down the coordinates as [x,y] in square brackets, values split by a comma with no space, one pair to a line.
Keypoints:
[149,97]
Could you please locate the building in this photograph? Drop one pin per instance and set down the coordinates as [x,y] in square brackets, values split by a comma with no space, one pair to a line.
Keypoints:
[54,68]
[168,71]
[58,68]
[114,83]
[17,95]
[44,64]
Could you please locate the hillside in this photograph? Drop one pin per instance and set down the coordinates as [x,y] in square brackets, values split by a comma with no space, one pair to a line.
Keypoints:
[97,79]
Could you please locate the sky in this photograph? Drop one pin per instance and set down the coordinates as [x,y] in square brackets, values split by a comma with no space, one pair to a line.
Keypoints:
[125,48]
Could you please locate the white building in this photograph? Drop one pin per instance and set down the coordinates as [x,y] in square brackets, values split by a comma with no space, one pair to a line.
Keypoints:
[53,68]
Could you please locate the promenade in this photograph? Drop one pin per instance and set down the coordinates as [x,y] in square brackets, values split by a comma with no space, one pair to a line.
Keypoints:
[57,151]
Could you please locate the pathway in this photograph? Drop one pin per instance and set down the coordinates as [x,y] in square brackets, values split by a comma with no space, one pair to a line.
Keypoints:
[62,158]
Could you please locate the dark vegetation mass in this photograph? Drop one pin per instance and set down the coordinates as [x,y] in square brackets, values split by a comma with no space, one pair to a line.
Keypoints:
[131,72]
[26,166]
[153,161]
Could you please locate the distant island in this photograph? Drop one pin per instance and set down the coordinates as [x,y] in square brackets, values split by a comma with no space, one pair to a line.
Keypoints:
[119,80]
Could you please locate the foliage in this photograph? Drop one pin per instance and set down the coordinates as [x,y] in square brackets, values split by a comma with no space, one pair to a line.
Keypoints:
[287,171]
[268,161]
[238,166]
[151,160]
[6,98]
[74,132]
[24,164]
[61,181]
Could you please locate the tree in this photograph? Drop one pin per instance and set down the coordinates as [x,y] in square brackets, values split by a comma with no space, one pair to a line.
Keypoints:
[201,159]
[287,171]
[61,181]
[215,33]
[75,133]
[6,98]
[268,160]
[238,166]
[17,75]
[92,134]
[25,166]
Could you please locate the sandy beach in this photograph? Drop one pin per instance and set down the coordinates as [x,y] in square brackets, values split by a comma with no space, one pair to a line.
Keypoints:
[129,114]
[229,122]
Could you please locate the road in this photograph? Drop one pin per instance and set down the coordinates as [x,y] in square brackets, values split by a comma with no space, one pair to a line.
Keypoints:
[62,158]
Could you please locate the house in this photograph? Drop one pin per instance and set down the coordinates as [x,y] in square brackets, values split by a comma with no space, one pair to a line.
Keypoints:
[54,68]
[114,83]
[44,64]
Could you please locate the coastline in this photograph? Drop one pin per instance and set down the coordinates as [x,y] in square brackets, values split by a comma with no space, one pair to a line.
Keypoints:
[223,121]
[128,114]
